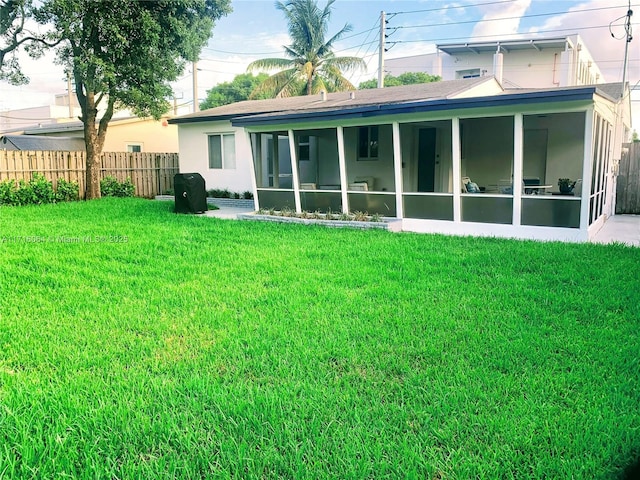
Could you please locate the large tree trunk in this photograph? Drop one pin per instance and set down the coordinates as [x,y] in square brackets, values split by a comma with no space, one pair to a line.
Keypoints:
[93,148]
[94,141]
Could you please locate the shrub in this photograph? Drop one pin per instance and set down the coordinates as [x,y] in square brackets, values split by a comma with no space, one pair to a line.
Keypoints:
[8,190]
[226,193]
[36,191]
[111,187]
[360,216]
[219,193]
[42,189]
[67,191]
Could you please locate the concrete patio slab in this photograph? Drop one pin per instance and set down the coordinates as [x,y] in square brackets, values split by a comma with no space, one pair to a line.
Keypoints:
[621,229]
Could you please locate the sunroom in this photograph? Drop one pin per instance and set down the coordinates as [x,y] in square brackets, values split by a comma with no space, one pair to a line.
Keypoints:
[479,166]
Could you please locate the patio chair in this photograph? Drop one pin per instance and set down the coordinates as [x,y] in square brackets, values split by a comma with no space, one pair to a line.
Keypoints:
[359,186]
[530,184]
[369,181]
[577,188]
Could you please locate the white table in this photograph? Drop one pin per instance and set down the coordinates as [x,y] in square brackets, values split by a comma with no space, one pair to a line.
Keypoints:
[534,189]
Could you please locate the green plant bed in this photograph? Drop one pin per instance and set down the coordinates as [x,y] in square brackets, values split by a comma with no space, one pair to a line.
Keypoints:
[136,343]
[361,220]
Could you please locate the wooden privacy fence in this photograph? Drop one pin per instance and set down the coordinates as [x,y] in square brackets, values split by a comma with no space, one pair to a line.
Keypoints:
[628,181]
[151,173]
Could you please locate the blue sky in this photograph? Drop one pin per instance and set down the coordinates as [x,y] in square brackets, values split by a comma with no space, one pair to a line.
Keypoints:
[256,29]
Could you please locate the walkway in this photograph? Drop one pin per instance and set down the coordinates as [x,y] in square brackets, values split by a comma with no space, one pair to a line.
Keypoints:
[620,228]
[228,213]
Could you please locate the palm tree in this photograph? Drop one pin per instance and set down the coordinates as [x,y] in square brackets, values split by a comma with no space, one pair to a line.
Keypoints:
[311,66]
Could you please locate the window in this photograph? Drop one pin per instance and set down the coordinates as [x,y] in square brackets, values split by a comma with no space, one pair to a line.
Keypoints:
[304,151]
[222,151]
[471,73]
[368,143]
[134,148]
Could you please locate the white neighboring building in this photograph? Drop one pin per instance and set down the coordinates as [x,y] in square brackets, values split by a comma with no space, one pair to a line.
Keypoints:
[528,63]
[12,120]
[57,113]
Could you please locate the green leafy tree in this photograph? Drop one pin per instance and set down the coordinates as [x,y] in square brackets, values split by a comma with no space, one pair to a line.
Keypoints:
[311,65]
[14,35]
[124,53]
[407,78]
[237,90]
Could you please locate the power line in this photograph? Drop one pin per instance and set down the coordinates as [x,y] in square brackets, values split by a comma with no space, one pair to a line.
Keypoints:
[240,53]
[502,35]
[280,51]
[535,15]
[392,14]
[374,28]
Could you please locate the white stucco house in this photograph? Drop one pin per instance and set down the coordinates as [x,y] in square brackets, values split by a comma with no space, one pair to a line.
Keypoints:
[417,153]
[524,63]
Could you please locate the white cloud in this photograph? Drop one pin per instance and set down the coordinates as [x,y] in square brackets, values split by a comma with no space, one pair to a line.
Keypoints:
[491,25]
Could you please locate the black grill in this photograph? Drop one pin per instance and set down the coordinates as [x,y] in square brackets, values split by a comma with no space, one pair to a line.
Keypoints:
[191,195]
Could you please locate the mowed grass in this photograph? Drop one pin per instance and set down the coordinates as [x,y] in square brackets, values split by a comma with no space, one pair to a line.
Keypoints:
[204,348]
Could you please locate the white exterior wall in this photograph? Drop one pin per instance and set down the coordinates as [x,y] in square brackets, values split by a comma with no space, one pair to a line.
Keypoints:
[521,68]
[194,155]
[429,63]
[28,117]
[526,68]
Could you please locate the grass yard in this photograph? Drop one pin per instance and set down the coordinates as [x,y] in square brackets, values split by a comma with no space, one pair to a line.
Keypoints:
[135,343]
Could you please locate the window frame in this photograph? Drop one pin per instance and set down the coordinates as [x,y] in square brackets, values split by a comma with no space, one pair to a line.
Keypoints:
[370,142]
[226,163]
[132,145]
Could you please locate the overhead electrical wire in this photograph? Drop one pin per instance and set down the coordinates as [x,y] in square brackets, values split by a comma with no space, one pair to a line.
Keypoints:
[430,40]
[533,15]
[375,28]
[392,14]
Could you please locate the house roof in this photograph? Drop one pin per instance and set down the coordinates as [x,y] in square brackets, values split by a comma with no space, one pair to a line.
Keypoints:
[339,100]
[610,91]
[422,106]
[429,97]
[504,45]
[35,142]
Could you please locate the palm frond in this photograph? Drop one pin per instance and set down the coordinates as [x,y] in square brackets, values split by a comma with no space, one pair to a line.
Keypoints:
[311,66]
[334,79]
[318,85]
[345,63]
[269,64]
[328,45]
[282,84]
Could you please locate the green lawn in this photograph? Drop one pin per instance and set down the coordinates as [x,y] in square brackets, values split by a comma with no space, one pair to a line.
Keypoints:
[136,343]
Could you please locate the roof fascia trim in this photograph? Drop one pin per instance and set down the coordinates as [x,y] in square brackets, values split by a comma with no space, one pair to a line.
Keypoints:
[427,106]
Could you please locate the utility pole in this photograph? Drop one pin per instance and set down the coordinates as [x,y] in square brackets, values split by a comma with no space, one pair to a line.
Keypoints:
[70,93]
[628,38]
[196,105]
[381,55]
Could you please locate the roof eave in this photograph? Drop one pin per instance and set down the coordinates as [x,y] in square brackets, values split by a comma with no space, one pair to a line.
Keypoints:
[422,106]
[211,118]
